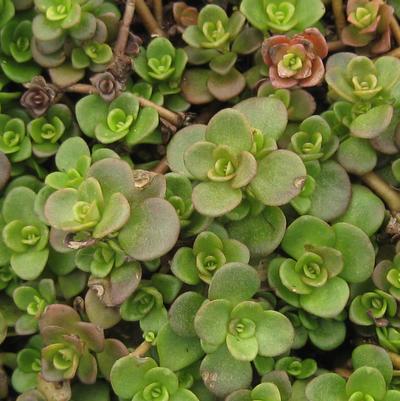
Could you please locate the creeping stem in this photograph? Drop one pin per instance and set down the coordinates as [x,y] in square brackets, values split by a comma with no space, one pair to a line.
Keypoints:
[123,32]
[141,349]
[161,167]
[390,196]
[335,46]
[172,117]
[340,19]
[158,11]
[395,27]
[148,19]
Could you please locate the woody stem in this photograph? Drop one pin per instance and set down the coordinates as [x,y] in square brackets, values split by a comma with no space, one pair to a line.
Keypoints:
[340,19]
[148,19]
[123,32]
[383,190]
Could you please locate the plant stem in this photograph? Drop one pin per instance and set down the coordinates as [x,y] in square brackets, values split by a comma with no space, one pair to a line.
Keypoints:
[85,89]
[335,46]
[141,349]
[395,358]
[340,18]
[394,53]
[123,33]
[148,19]
[158,11]
[395,27]
[162,167]
[384,191]
[345,373]
[172,117]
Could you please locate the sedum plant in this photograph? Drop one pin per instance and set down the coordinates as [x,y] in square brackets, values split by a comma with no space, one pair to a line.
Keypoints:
[161,65]
[321,264]
[231,159]
[15,47]
[14,139]
[368,25]
[46,131]
[68,343]
[122,119]
[281,16]
[218,40]
[370,379]
[33,300]
[149,382]
[295,61]
[210,252]
[24,235]
[366,87]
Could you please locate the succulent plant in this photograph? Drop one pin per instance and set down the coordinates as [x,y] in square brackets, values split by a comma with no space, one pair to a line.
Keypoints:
[15,47]
[218,40]
[320,264]
[25,376]
[68,343]
[369,25]
[150,381]
[281,16]
[162,65]
[33,300]
[121,119]
[367,87]
[228,168]
[370,379]
[25,237]
[295,61]
[210,252]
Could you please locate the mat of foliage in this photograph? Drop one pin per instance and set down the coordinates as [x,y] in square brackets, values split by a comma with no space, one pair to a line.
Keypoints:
[199,201]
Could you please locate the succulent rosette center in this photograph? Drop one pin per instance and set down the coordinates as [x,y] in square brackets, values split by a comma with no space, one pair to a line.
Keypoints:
[363,17]
[86,213]
[162,68]
[310,267]
[59,11]
[155,392]
[359,396]
[366,86]
[208,262]
[281,15]
[242,328]
[215,33]
[225,164]
[36,307]
[118,121]
[375,304]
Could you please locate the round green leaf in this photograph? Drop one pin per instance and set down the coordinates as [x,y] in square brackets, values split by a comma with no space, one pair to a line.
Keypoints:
[215,198]
[222,374]
[327,301]
[234,282]
[280,178]
[357,251]
[151,231]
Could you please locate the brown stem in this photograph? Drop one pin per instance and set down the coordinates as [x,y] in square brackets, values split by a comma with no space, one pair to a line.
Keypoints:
[340,18]
[345,373]
[141,349]
[158,11]
[383,190]
[394,53]
[173,118]
[85,89]
[148,19]
[162,167]
[123,32]
[335,46]
[395,358]
[395,27]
